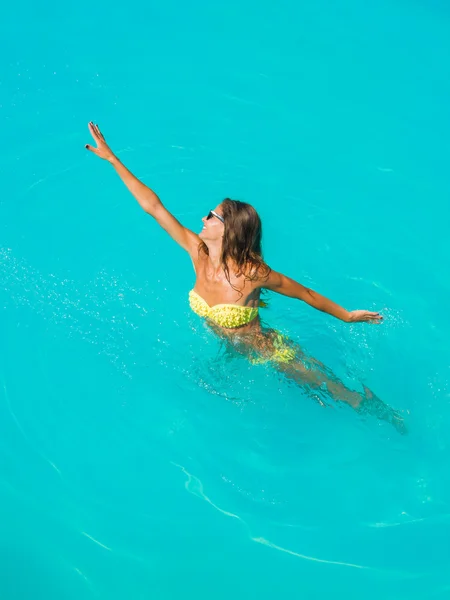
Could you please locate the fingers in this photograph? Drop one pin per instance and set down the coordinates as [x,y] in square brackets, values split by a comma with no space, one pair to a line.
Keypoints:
[92,149]
[366,316]
[100,134]
[92,130]
[374,318]
[95,132]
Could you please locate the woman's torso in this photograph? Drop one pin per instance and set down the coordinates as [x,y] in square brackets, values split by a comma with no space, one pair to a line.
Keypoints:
[231,305]
[214,295]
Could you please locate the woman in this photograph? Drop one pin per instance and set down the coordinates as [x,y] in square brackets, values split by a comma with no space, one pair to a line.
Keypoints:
[230,274]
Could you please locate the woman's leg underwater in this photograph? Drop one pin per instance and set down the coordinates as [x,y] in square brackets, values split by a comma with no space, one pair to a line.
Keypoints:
[311,374]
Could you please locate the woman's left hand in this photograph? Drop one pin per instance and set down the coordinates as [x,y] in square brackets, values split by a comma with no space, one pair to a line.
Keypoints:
[364,316]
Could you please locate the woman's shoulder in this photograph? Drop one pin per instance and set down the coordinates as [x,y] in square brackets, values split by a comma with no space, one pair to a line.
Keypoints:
[257,273]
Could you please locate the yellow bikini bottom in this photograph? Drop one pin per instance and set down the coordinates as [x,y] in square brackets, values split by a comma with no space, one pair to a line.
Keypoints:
[281,352]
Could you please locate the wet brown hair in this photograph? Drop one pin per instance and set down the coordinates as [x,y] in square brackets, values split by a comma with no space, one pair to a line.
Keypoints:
[241,243]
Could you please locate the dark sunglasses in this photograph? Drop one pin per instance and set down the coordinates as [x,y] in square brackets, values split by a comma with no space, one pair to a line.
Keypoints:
[212,213]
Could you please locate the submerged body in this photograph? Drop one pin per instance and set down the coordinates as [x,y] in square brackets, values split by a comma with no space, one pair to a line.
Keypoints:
[237,322]
[241,328]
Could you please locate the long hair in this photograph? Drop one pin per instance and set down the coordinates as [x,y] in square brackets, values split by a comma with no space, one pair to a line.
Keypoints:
[241,245]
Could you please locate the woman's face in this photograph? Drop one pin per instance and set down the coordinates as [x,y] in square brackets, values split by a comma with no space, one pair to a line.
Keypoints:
[213,227]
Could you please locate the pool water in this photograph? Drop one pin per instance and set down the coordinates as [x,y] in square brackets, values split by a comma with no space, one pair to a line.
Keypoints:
[137,458]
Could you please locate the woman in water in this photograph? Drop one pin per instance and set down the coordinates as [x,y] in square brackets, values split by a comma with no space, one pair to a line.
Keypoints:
[230,274]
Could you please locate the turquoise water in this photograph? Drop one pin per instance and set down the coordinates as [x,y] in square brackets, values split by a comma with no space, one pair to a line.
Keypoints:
[136,459]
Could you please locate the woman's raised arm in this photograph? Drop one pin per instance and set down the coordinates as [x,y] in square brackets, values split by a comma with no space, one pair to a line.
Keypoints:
[146,197]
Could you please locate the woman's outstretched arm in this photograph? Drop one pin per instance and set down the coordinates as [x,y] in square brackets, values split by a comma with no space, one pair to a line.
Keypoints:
[146,197]
[277,282]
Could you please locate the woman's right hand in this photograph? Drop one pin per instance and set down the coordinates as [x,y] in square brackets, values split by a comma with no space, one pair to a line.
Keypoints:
[102,149]
[363,316]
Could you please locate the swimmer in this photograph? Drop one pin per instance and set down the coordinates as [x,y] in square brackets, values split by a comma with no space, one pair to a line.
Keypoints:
[230,275]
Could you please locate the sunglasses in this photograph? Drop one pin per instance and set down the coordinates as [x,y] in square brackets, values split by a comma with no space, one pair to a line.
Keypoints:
[212,213]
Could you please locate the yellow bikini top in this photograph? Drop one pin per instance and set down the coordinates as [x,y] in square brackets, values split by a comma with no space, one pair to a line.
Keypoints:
[224,315]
